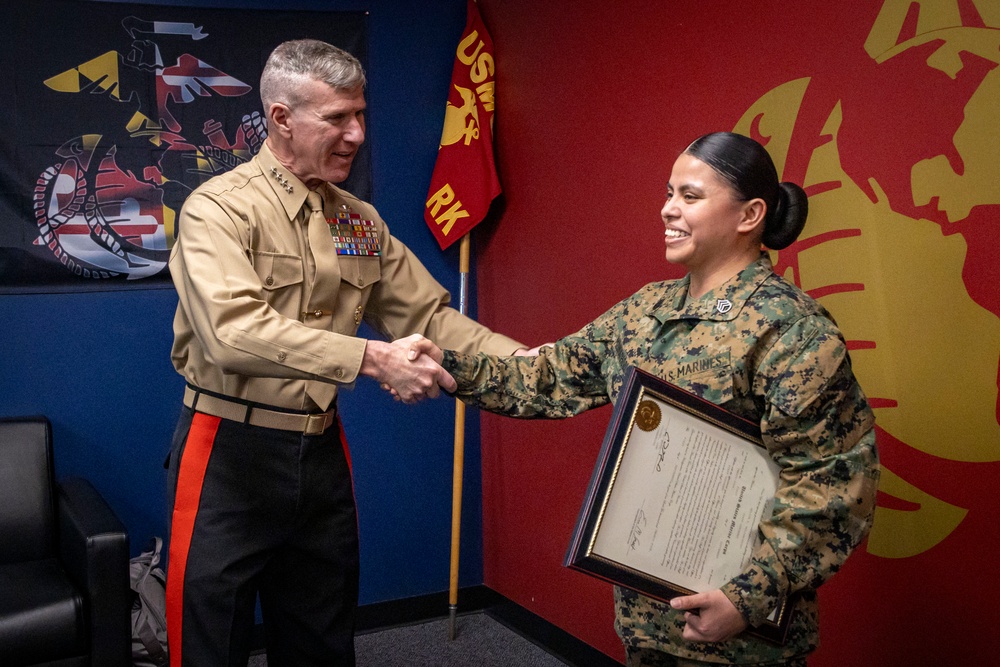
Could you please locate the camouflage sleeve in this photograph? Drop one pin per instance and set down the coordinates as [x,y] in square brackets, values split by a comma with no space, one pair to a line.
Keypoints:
[563,380]
[819,427]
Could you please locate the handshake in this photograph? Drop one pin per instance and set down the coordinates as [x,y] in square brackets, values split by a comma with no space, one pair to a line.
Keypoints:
[410,368]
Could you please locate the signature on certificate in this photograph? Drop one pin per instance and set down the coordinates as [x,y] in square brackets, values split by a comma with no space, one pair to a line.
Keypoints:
[661,450]
[637,525]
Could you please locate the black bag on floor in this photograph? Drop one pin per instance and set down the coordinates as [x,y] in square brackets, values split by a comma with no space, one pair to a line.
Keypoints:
[149,608]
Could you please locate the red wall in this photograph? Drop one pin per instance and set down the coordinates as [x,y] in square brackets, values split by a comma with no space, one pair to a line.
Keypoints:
[594,101]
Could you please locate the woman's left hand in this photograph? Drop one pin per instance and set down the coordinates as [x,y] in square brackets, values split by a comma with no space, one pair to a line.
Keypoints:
[710,617]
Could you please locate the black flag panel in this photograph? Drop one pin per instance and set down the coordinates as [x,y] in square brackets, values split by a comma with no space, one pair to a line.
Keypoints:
[115,113]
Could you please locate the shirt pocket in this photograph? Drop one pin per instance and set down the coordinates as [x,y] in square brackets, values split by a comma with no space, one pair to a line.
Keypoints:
[716,388]
[277,270]
[358,275]
[360,272]
[709,376]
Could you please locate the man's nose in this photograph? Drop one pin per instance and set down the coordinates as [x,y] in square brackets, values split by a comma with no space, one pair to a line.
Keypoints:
[355,132]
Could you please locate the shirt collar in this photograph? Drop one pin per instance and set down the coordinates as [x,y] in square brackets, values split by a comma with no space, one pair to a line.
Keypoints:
[720,304]
[289,190]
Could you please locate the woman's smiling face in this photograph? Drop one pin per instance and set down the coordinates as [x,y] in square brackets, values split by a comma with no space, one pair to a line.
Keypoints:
[701,215]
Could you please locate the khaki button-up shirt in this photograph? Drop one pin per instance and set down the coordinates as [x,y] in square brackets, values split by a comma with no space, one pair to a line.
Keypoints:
[266,317]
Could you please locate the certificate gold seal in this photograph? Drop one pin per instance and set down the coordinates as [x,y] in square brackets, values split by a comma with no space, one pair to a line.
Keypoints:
[647,415]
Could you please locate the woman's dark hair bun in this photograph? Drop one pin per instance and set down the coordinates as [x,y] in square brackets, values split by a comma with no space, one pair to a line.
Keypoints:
[789,217]
[747,166]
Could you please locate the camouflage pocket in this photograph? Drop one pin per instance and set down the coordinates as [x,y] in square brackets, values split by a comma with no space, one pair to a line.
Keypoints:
[709,376]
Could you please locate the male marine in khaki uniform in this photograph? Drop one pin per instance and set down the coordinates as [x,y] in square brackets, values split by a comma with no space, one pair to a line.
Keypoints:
[275,269]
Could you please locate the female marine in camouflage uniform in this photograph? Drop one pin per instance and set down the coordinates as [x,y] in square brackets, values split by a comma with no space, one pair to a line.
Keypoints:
[736,334]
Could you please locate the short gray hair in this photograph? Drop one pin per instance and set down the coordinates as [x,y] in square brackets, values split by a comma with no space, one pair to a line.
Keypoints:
[294,62]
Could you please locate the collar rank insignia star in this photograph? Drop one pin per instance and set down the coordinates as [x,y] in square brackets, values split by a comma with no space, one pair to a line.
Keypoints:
[723,306]
[282,181]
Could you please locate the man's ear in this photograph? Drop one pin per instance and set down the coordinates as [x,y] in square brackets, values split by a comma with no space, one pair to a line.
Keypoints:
[278,119]
[754,212]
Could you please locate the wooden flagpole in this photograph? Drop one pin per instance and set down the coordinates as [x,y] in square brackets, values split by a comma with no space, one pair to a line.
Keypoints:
[459,465]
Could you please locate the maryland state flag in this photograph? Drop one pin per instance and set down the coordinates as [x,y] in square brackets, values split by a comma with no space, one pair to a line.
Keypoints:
[465,178]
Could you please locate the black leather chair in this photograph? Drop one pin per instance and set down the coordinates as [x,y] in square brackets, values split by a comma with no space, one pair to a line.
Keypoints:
[64,589]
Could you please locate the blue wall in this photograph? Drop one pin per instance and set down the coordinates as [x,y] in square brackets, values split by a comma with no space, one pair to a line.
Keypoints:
[97,363]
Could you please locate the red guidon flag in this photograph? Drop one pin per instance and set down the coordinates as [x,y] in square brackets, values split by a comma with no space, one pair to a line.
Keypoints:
[465,179]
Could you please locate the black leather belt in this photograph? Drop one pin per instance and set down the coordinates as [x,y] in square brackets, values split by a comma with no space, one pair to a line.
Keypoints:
[249,413]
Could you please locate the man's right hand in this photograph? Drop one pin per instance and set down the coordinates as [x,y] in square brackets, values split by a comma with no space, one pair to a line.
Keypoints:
[411,377]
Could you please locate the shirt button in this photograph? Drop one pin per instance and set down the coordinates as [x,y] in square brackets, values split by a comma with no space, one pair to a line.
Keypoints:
[339,372]
[361,282]
[269,281]
[282,356]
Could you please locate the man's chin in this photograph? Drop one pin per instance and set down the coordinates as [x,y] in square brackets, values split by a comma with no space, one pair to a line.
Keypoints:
[338,174]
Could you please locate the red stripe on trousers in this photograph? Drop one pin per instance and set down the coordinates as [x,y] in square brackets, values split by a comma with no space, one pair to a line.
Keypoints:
[347,450]
[190,477]
[350,468]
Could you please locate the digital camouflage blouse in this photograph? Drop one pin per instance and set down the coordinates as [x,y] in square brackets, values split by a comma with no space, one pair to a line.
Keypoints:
[764,350]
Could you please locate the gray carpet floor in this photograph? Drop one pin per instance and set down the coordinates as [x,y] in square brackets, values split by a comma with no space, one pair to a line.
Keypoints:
[480,641]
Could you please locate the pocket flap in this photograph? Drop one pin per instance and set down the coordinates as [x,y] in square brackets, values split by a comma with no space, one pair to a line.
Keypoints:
[361,272]
[276,270]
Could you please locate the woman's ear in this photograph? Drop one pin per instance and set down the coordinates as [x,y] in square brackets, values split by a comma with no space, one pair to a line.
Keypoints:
[754,212]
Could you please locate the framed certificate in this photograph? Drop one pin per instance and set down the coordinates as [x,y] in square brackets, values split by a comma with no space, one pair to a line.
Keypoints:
[677,495]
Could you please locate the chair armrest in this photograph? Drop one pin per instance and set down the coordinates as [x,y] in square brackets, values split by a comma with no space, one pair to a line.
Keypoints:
[93,547]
